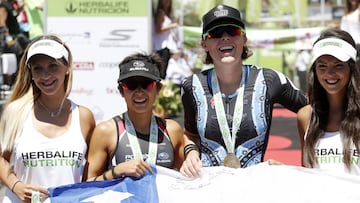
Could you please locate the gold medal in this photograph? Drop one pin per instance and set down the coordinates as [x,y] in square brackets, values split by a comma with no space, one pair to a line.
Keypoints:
[231,161]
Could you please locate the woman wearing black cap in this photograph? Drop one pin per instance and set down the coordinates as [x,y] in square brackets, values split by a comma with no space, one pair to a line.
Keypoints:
[228,108]
[329,127]
[127,145]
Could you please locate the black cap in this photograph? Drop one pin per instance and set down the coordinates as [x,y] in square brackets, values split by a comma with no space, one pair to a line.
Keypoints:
[140,69]
[221,14]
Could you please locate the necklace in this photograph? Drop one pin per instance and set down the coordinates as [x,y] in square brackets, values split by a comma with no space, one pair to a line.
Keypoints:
[53,114]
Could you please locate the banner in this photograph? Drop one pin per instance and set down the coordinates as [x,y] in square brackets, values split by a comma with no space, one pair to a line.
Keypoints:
[259,183]
[100,34]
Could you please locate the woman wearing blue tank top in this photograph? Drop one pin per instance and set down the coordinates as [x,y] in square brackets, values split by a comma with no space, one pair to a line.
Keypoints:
[228,108]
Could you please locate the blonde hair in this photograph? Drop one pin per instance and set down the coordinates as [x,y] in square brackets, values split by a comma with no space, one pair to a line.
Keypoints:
[22,99]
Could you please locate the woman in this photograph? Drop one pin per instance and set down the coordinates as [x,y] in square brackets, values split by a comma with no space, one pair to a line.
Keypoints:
[44,134]
[228,108]
[350,22]
[128,144]
[329,127]
[166,37]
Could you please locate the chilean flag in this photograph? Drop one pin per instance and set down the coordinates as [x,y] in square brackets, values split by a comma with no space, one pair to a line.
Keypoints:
[118,190]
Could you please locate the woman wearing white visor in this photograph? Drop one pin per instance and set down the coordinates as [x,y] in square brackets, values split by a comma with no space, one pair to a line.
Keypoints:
[44,134]
[329,127]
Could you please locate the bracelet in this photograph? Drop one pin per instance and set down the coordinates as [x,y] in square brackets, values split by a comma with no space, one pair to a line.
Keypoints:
[116,175]
[113,172]
[13,187]
[189,148]
[104,176]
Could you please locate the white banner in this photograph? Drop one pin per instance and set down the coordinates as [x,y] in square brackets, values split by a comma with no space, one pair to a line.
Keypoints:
[259,183]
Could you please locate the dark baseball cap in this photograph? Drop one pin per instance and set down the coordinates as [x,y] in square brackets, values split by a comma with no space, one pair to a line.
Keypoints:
[138,68]
[221,14]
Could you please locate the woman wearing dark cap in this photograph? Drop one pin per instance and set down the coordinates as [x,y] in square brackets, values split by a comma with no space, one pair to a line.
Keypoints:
[329,127]
[228,108]
[127,144]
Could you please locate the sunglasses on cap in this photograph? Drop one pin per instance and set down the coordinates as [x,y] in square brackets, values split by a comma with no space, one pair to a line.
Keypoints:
[134,84]
[218,31]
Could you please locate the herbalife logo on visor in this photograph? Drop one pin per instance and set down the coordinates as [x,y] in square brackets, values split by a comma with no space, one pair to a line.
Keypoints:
[337,44]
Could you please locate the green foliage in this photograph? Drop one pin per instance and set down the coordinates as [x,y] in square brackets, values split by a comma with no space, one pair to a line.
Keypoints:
[168,102]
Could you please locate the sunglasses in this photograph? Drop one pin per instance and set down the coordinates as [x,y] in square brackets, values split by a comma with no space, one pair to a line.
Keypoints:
[218,31]
[134,84]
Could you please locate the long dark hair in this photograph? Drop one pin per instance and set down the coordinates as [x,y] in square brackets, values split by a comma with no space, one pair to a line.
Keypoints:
[350,125]
[160,11]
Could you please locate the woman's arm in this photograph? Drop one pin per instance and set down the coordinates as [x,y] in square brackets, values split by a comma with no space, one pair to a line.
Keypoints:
[102,146]
[176,134]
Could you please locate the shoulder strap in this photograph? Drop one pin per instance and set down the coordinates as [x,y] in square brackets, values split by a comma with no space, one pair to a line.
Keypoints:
[120,127]
[161,123]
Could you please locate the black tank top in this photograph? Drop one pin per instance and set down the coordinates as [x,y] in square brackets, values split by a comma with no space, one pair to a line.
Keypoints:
[123,152]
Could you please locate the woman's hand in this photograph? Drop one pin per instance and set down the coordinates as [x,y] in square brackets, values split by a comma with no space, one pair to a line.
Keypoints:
[24,191]
[135,168]
[192,165]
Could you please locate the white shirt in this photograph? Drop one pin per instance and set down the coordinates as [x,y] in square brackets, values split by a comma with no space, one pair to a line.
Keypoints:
[302,60]
[351,24]
[48,162]
[329,154]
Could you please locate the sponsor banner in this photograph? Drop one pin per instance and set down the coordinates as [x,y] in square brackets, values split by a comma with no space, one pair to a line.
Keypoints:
[100,34]
[82,8]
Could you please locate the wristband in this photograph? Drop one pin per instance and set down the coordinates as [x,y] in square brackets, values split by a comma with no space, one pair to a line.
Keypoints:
[113,172]
[104,176]
[189,148]
[13,187]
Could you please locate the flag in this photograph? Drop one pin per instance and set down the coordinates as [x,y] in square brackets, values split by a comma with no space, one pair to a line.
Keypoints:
[117,190]
[276,183]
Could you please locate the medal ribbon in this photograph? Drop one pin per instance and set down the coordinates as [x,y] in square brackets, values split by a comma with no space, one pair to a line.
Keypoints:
[229,140]
[134,143]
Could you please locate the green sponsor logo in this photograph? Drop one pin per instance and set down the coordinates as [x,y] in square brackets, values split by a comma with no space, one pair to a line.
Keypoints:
[97,8]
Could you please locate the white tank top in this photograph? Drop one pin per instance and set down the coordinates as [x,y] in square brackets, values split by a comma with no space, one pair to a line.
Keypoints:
[166,38]
[49,162]
[329,154]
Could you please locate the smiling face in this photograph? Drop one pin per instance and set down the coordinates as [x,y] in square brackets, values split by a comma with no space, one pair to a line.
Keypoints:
[333,74]
[226,47]
[48,74]
[139,93]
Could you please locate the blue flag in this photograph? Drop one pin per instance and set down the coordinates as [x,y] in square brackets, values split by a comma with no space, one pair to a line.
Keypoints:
[127,190]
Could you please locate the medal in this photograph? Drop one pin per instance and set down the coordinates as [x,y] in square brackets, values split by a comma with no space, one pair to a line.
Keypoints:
[229,137]
[231,161]
[134,144]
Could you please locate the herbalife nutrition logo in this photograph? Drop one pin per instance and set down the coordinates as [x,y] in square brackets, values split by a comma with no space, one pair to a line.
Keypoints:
[70,8]
[97,7]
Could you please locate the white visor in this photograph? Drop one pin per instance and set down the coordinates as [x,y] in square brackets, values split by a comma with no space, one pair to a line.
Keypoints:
[48,47]
[335,47]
